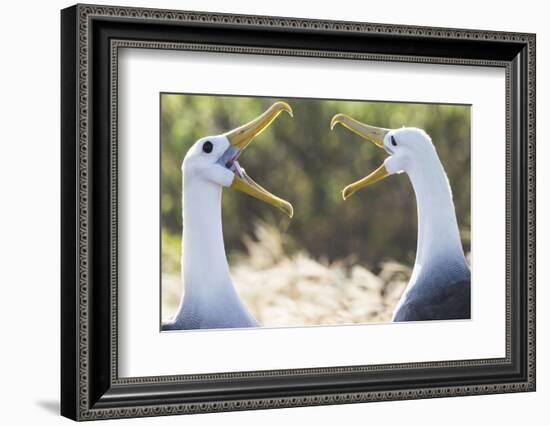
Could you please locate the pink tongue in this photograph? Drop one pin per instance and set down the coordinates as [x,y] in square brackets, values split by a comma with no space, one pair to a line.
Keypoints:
[238,170]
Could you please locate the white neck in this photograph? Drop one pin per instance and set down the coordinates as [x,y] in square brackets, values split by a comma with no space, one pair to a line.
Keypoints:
[204,262]
[438,235]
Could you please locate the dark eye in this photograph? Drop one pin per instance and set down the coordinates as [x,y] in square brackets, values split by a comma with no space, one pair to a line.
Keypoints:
[393,142]
[207,147]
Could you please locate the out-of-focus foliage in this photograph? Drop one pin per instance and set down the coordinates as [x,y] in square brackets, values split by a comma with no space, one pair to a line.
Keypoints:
[306,163]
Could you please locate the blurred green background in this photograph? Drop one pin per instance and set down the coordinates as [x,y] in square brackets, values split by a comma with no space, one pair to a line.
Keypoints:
[304,162]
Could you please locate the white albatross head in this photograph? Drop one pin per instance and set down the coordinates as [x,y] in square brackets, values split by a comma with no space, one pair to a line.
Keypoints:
[213,159]
[411,150]
[408,147]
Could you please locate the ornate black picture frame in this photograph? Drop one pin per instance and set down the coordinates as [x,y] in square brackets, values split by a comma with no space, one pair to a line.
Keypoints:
[90,38]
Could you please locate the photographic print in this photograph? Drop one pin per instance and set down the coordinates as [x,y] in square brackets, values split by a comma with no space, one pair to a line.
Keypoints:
[288,212]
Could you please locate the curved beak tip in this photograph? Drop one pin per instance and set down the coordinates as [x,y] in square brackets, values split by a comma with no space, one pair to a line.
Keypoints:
[286,208]
[346,193]
[290,211]
[335,120]
[283,106]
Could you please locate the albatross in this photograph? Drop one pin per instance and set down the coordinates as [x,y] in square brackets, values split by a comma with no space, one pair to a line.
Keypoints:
[210,299]
[439,287]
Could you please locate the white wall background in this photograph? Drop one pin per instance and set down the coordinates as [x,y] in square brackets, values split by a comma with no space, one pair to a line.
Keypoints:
[29,211]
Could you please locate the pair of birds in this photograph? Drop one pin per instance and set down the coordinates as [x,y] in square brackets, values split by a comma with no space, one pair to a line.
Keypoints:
[439,287]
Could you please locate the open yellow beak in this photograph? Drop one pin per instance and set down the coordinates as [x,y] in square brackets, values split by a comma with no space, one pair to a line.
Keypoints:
[243,135]
[240,138]
[372,134]
[247,185]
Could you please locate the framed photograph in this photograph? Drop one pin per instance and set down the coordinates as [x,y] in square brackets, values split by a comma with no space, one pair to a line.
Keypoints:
[263,212]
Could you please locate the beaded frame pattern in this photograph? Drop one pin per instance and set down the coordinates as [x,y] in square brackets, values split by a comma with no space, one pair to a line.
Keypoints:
[87,12]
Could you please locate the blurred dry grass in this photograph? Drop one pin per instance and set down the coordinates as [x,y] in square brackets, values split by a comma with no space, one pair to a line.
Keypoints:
[296,290]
